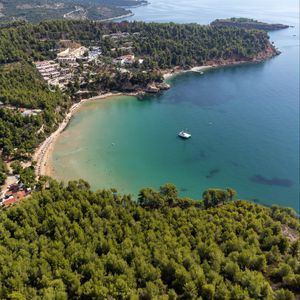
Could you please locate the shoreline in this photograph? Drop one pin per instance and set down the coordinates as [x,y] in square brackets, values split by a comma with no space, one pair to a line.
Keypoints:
[130,14]
[174,72]
[43,153]
[170,73]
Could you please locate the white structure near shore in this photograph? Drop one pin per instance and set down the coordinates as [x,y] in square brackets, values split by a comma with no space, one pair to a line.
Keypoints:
[125,60]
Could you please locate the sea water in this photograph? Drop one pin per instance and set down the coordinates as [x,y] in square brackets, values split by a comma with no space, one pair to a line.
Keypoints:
[244,120]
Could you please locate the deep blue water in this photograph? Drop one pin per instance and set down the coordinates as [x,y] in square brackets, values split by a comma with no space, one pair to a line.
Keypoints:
[263,100]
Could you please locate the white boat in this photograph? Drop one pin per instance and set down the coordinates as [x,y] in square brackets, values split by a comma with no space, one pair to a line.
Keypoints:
[184,134]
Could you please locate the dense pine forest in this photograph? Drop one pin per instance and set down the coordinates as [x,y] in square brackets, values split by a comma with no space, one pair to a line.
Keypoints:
[2,171]
[71,243]
[247,24]
[22,87]
[165,45]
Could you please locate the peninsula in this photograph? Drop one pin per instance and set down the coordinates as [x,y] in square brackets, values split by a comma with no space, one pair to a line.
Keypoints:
[246,23]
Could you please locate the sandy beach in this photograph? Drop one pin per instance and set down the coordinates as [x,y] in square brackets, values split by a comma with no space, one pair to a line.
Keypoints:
[43,154]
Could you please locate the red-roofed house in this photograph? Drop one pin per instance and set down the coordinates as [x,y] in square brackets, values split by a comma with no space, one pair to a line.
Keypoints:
[14,197]
[20,195]
[9,201]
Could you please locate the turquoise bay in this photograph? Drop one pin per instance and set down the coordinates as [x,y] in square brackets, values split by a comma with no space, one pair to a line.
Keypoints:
[244,122]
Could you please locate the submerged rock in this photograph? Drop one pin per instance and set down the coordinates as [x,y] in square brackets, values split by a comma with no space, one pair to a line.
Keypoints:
[271,181]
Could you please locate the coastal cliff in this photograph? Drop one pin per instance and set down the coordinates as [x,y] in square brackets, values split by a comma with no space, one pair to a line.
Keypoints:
[266,54]
[269,52]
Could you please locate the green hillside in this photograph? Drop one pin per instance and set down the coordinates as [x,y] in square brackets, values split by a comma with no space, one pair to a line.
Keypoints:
[71,243]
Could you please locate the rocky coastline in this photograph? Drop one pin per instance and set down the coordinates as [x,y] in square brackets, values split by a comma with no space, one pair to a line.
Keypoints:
[268,53]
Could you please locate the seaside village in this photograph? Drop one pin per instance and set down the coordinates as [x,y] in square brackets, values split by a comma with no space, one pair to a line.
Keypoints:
[75,62]
[72,63]
[61,71]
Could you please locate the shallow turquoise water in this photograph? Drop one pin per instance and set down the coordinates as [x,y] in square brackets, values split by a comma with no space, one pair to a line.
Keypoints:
[244,121]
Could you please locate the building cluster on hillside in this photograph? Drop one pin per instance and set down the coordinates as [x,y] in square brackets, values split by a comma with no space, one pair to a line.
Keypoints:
[25,112]
[94,53]
[76,62]
[29,112]
[15,193]
[71,55]
[125,60]
[62,70]
[125,46]
[54,74]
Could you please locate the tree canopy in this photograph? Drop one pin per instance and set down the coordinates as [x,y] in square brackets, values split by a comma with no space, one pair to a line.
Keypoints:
[72,243]
[22,87]
[165,45]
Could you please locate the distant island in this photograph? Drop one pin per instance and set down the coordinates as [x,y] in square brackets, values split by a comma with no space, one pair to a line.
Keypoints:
[246,23]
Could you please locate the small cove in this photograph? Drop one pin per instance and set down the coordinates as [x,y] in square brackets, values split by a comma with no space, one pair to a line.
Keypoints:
[244,121]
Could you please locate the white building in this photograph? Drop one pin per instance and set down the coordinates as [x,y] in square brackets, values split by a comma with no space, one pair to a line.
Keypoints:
[126,59]
[94,53]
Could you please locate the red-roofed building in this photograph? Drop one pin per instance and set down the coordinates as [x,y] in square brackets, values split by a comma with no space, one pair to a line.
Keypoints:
[9,201]
[20,195]
[14,197]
